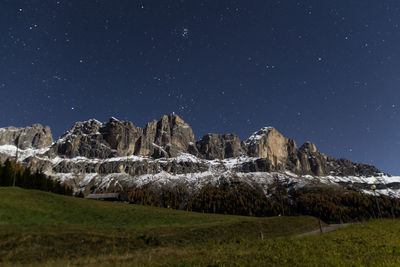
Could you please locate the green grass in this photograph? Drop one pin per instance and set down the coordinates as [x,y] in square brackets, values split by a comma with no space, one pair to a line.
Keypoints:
[31,207]
[38,228]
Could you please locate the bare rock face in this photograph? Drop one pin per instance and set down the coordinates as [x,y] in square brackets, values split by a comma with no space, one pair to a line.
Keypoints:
[166,137]
[258,165]
[121,136]
[280,153]
[83,140]
[270,144]
[220,146]
[93,139]
[174,134]
[146,145]
[344,167]
[95,147]
[312,161]
[35,136]
[309,147]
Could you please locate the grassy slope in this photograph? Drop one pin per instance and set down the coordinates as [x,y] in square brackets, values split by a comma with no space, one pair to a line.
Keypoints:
[38,227]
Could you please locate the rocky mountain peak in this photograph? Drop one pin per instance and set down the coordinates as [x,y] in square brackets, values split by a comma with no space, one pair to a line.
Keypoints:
[175,119]
[121,136]
[91,126]
[256,136]
[168,137]
[309,147]
[113,119]
[266,150]
[35,136]
[220,146]
[270,144]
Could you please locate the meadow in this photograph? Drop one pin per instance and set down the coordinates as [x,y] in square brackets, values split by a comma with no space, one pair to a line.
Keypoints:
[40,228]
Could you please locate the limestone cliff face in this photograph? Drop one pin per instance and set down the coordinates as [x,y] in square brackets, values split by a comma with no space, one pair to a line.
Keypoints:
[95,147]
[278,153]
[311,160]
[173,134]
[121,136]
[35,136]
[83,140]
[93,139]
[220,146]
[268,143]
[165,138]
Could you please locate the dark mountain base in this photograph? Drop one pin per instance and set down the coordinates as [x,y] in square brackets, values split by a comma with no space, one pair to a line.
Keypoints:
[333,204]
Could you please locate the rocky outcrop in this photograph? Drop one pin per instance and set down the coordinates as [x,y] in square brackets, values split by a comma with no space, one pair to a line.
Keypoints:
[311,161]
[344,167]
[35,136]
[129,167]
[268,143]
[121,137]
[166,138]
[220,146]
[280,153]
[83,140]
[121,147]
[92,139]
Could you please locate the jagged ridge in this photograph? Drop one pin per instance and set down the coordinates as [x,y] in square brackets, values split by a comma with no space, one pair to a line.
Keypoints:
[171,136]
[166,146]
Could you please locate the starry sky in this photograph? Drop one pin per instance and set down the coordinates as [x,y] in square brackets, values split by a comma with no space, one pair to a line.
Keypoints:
[318,70]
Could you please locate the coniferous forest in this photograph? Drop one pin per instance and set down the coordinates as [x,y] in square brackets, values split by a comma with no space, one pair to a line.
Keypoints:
[332,204]
[30,180]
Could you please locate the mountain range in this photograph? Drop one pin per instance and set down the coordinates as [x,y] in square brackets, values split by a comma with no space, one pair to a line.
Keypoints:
[114,156]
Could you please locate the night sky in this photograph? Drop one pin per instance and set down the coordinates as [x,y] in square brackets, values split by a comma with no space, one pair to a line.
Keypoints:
[324,71]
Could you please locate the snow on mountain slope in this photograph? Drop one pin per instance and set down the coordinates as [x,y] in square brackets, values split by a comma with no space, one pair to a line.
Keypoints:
[389,185]
[116,155]
[11,151]
[256,136]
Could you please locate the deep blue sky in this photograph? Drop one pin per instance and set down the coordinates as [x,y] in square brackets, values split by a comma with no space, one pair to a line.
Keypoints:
[324,71]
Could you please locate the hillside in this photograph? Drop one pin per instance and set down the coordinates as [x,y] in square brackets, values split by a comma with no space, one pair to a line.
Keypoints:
[48,229]
[40,226]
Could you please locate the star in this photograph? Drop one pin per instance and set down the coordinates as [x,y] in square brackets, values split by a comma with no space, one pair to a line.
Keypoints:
[185,33]
[229,61]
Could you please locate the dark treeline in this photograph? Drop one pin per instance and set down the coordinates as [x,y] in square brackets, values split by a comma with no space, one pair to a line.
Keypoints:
[231,196]
[26,179]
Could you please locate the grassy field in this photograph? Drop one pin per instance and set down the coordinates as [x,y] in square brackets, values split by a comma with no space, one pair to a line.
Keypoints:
[39,228]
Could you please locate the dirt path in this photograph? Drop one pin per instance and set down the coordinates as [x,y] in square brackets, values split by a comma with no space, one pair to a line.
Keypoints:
[325,229]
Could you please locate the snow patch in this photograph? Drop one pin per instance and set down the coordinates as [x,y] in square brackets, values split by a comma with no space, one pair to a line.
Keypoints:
[256,136]
[160,147]
[11,150]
